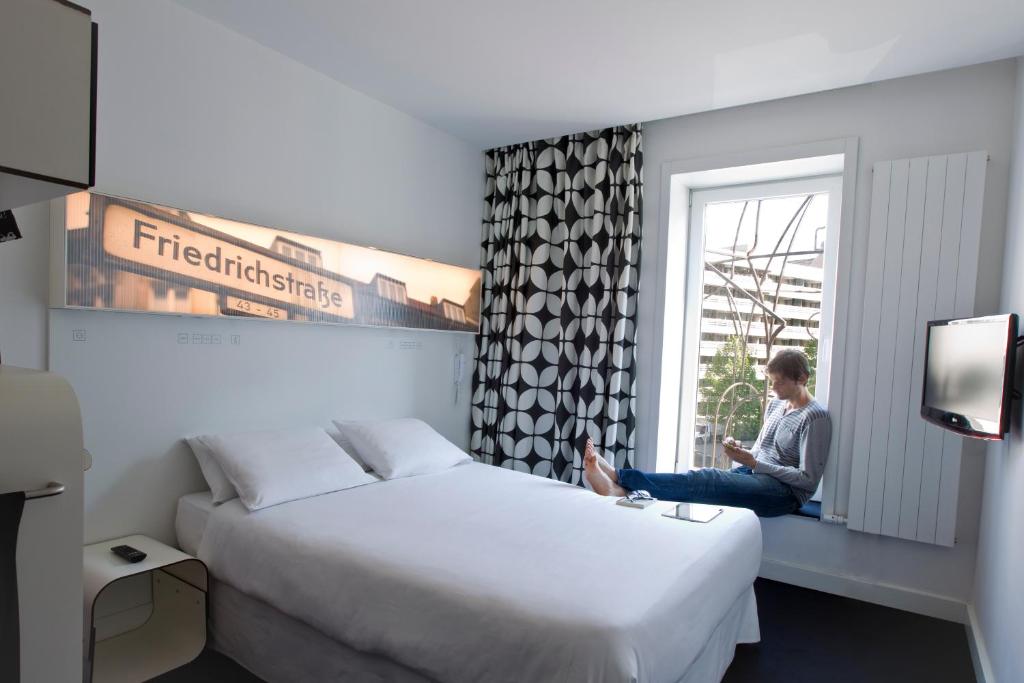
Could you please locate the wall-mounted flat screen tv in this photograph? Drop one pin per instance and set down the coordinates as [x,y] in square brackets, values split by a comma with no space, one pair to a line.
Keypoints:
[968,377]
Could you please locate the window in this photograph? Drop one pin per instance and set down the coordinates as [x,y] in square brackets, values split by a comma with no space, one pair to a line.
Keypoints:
[389,289]
[761,276]
[454,312]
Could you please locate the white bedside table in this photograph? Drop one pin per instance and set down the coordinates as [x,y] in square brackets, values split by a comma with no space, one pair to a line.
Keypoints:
[174,632]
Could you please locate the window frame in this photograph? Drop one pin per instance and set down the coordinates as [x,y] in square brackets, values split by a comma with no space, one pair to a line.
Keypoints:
[694,267]
[674,173]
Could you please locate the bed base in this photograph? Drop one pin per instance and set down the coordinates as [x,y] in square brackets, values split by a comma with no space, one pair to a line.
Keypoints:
[281,649]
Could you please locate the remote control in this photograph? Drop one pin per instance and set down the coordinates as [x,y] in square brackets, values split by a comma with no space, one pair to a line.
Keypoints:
[129,553]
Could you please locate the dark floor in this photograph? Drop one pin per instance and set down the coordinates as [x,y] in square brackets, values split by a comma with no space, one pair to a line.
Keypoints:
[806,637]
[813,637]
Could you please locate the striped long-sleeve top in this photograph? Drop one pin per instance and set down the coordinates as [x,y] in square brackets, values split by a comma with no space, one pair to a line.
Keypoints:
[793,446]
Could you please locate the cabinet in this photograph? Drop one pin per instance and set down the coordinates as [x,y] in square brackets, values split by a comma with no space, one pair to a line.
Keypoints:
[48,95]
[40,443]
[172,632]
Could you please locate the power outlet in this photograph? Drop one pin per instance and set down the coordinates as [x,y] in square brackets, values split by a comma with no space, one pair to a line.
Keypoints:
[183,337]
[78,335]
[236,339]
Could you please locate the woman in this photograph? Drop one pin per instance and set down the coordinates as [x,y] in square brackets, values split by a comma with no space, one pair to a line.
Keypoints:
[775,477]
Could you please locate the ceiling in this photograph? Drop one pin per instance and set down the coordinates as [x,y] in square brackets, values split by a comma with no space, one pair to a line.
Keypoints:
[494,73]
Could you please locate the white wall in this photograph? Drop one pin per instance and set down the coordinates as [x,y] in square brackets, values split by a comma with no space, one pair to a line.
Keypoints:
[954,111]
[24,282]
[998,600]
[195,116]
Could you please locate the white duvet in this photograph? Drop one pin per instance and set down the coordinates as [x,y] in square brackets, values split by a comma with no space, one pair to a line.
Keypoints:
[484,574]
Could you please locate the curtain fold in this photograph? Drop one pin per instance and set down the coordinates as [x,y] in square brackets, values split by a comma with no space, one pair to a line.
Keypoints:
[556,352]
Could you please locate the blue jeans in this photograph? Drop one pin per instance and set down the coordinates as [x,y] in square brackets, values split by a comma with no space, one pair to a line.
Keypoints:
[764,494]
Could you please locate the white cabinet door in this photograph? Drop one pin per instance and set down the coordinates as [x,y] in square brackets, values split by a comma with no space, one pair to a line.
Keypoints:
[40,442]
[46,91]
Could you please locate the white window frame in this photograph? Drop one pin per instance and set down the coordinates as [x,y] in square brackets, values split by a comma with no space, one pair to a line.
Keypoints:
[660,317]
[699,199]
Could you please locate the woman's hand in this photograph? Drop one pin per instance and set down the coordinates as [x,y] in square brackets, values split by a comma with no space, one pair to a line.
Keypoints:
[736,453]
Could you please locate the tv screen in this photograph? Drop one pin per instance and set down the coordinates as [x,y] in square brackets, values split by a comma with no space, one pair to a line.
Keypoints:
[968,379]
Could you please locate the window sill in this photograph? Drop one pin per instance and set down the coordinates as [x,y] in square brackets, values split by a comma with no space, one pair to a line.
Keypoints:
[810,509]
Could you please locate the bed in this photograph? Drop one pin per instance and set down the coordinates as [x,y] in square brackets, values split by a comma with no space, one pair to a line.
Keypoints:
[476,573]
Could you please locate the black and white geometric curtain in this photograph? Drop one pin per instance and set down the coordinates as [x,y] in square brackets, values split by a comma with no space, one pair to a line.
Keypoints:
[556,353]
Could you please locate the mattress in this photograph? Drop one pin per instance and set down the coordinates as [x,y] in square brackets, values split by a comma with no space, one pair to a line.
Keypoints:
[190,523]
[481,573]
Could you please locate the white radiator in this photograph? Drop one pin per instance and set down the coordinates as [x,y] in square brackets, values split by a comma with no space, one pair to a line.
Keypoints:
[922,265]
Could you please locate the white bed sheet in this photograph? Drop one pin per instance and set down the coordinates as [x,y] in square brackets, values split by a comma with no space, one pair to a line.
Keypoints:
[480,573]
[190,522]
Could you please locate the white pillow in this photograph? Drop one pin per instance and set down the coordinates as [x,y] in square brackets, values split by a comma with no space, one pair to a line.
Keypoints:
[346,445]
[267,468]
[401,448]
[220,486]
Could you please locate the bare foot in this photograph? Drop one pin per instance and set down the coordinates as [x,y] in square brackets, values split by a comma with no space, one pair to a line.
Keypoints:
[605,466]
[596,475]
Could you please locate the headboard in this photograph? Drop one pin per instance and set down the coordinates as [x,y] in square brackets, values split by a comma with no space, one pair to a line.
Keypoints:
[143,388]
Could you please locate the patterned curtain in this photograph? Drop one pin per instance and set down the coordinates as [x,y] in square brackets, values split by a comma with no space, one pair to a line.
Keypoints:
[556,353]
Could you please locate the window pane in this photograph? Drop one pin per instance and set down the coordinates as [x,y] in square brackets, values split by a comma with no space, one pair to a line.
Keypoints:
[763,266]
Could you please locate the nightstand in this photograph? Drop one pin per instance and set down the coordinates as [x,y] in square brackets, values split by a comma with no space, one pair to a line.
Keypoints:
[145,618]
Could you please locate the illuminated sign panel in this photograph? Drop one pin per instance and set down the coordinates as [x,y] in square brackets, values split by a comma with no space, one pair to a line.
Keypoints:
[129,255]
[253,308]
[180,251]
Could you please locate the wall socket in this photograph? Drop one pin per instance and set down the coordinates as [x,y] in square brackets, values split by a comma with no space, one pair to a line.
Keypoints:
[78,335]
